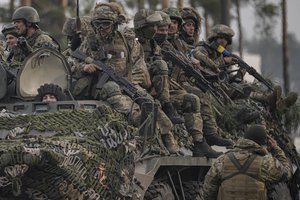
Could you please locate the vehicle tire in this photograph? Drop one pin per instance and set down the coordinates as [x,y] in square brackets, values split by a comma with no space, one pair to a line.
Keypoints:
[193,190]
[159,191]
[279,191]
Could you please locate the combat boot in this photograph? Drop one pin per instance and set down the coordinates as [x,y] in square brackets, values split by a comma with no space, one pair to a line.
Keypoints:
[171,112]
[287,102]
[215,139]
[170,143]
[202,149]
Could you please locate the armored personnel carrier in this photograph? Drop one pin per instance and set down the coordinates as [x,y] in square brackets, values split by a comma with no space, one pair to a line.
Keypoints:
[84,149]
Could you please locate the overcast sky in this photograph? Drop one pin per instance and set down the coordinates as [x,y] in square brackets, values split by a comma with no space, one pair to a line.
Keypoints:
[293,16]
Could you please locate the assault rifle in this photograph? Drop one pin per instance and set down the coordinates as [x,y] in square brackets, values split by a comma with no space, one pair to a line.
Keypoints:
[124,84]
[243,65]
[141,98]
[198,79]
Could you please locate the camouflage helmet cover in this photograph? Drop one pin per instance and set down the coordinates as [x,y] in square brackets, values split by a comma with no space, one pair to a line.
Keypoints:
[146,17]
[165,18]
[191,13]
[174,14]
[109,11]
[220,30]
[69,27]
[27,13]
[110,89]
[9,29]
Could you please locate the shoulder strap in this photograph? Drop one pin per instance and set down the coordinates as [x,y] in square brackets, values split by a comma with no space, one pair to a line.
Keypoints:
[242,169]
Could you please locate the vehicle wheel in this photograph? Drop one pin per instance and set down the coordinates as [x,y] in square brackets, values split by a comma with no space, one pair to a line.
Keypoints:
[159,191]
[193,190]
[279,191]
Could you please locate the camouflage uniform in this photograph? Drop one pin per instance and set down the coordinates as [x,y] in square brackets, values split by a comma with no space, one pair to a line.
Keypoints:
[225,181]
[123,53]
[34,41]
[210,127]
[145,30]
[75,37]
[207,56]
[188,14]
[187,102]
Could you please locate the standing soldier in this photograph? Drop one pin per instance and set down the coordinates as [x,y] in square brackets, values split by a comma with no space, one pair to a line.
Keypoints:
[31,37]
[123,53]
[242,172]
[147,32]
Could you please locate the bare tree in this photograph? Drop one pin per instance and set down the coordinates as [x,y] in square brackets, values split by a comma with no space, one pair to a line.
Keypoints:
[165,4]
[225,9]
[141,4]
[286,70]
[239,28]
[26,2]
[179,4]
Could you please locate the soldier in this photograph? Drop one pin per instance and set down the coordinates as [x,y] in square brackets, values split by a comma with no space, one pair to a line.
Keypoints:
[74,36]
[242,172]
[10,33]
[31,37]
[145,27]
[120,51]
[148,31]
[50,93]
[190,28]
[210,127]
[204,52]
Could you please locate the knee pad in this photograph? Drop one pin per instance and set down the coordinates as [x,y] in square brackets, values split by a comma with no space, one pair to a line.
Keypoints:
[191,103]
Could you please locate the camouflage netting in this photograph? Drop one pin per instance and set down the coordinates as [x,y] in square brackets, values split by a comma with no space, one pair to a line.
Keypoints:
[235,118]
[66,155]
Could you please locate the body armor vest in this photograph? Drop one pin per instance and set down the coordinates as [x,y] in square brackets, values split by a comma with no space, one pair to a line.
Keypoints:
[240,181]
[114,53]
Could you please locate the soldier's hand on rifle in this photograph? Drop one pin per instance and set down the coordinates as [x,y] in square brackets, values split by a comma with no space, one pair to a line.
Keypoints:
[229,60]
[90,68]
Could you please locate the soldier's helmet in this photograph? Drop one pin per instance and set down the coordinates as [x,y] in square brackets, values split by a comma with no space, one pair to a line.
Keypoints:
[50,89]
[145,17]
[69,27]
[165,19]
[220,30]
[256,133]
[108,12]
[174,14]
[110,89]
[28,13]
[191,13]
[9,29]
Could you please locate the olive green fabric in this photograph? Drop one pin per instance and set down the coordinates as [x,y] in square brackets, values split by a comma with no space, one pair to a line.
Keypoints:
[66,155]
[27,13]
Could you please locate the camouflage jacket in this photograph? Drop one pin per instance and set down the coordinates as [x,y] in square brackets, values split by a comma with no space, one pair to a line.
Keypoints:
[208,57]
[273,168]
[121,52]
[36,41]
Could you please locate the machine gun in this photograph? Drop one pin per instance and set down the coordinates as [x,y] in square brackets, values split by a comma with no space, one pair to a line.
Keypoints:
[243,65]
[146,103]
[198,79]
